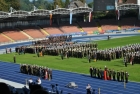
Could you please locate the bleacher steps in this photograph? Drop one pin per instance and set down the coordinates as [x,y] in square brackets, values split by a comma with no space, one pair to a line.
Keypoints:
[26,34]
[99,27]
[29,37]
[81,29]
[43,31]
[7,37]
[119,26]
[61,30]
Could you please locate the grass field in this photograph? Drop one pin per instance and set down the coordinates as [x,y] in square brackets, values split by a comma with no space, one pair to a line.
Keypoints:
[81,65]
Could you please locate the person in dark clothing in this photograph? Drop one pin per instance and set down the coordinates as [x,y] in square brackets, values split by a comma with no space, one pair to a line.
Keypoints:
[62,55]
[126,77]
[6,50]
[88,88]
[14,59]
[4,89]
[57,89]
[125,62]
[118,76]
[53,88]
[108,37]
[122,76]
[25,90]
[40,91]
[89,58]
[110,72]
[34,88]
[101,73]
[91,71]
[98,73]
[114,74]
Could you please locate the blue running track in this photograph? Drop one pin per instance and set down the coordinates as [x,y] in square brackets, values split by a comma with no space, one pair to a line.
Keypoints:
[10,71]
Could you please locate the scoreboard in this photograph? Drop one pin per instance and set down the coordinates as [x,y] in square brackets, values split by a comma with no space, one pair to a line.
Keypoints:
[104,5]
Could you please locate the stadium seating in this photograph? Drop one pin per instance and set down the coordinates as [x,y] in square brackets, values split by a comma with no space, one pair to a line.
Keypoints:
[34,32]
[3,39]
[15,34]
[54,29]
[88,26]
[137,23]
[128,22]
[109,24]
[69,28]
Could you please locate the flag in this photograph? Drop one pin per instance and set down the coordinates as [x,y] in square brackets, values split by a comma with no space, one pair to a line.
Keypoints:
[70,18]
[50,19]
[118,12]
[90,16]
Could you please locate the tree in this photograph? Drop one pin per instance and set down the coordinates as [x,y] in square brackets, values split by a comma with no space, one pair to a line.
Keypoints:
[3,6]
[57,2]
[90,5]
[67,3]
[13,3]
[83,1]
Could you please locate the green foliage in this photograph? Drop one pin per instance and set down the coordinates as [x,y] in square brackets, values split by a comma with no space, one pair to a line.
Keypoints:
[90,5]
[67,3]
[60,3]
[6,4]
[3,6]
[83,1]
[81,65]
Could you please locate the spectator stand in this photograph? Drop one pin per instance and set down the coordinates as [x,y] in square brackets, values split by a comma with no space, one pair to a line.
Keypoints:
[75,34]
[123,30]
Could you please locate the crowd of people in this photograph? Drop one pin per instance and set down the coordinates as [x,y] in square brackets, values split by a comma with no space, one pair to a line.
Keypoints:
[132,57]
[80,50]
[67,49]
[130,50]
[108,74]
[8,50]
[54,39]
[40,71]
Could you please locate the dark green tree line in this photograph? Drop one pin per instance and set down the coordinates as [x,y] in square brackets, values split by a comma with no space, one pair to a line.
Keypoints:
[6,4]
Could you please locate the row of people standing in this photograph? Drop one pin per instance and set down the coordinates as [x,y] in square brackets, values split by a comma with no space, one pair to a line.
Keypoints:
[117,52]
[78,50]
[108,74]
[8,50]
[132,58]
[54,39]
[40,71]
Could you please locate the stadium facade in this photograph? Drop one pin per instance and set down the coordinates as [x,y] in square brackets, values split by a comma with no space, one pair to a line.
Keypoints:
[75,11]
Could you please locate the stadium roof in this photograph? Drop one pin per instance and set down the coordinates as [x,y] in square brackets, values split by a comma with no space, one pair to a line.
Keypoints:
[128,6]
[75,7]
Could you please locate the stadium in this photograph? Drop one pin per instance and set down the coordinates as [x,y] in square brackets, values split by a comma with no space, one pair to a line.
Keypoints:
[75,46]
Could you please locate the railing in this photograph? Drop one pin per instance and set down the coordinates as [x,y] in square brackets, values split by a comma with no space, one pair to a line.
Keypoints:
[20,41]
[123,31]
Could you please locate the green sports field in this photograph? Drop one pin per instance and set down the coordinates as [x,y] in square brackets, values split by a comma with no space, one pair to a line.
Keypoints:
[82,65]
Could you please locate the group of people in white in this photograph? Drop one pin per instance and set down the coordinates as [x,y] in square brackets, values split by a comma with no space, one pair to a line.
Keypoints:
[38,81]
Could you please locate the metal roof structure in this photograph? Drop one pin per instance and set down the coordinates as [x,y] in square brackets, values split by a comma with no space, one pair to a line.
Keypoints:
[128,6]
[43,12]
